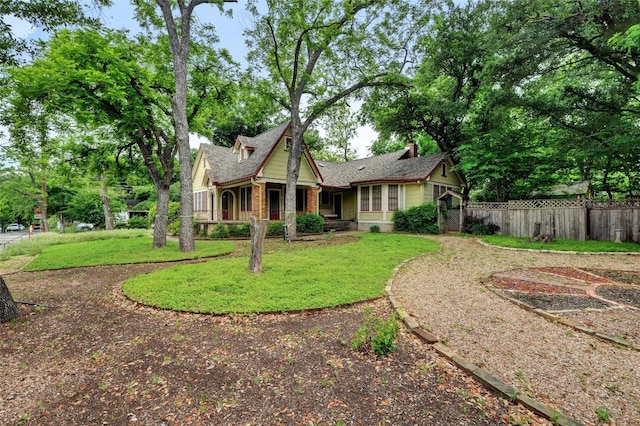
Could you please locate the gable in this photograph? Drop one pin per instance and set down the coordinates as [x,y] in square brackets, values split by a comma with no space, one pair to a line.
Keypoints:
[276,165]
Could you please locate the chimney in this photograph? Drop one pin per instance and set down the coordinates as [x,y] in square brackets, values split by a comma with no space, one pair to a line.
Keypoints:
[413,149]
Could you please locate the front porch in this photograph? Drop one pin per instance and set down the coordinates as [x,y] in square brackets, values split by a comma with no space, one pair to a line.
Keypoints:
[261,200]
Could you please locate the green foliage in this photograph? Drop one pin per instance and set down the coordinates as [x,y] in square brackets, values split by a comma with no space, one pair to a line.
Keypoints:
[172,216]
[310,223]
[240,230]
[219,231]
[138,222]
[377,335]
[375,229]
[476,226]
[275,228]
[174,227]
[295,278]
[422,219]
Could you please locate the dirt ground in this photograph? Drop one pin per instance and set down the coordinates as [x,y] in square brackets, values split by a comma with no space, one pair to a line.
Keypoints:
[88,356]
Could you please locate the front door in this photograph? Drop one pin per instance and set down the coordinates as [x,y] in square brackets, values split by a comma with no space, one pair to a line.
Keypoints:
[226,205]
[337,205]
[274,205]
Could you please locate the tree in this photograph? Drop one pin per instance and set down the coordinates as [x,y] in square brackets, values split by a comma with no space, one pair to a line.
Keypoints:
[340,125]
[104,79]
[319,52]
[180,39]
[454,52]
[48,14]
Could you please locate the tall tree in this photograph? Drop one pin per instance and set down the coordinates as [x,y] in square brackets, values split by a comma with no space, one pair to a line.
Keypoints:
[319,52]
[446,82]
[178,28]
[107,80]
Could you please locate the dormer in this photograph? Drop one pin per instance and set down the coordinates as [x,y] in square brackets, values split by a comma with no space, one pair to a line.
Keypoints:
[242,150]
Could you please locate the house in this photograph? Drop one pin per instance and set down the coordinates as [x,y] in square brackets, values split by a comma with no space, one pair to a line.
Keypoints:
[231,184]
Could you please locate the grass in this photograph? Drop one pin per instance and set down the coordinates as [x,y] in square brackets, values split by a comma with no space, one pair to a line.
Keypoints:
[56,251]
[305,279]
[561,244]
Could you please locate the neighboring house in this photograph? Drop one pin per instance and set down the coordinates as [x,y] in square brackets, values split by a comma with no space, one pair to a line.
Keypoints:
[231,184]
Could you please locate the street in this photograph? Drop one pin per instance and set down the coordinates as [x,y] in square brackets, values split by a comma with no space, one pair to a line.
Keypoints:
[9,237]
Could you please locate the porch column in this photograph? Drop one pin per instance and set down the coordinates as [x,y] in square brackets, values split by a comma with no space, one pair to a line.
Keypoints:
[259,201]
[312,200]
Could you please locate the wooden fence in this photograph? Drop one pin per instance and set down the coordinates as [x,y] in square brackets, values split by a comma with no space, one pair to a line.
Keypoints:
[576,219]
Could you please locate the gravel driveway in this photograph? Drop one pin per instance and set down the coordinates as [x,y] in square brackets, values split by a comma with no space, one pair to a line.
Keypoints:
[582,376]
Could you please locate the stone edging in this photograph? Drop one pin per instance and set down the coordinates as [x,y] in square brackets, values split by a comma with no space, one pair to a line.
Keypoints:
[626,253]
[483,376]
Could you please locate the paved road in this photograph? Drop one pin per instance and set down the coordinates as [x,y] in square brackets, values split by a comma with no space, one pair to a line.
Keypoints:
[9,237]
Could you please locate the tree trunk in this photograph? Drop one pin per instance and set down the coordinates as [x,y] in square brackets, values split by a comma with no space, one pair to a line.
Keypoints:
[8,308]
[293,171]
[258,233]
[536,230]
[60,223]
[162,216]
[106,208]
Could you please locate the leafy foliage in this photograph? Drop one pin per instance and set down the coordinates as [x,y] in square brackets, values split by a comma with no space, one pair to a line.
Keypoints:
[377,335]
[422,219]
[476,226]
[310,223]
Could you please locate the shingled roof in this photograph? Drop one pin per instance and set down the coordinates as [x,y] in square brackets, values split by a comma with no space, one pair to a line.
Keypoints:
[393,167]
[224,167]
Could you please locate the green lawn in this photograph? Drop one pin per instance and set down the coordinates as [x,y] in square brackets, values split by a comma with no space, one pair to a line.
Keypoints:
[134,249]
[296,280]
[561,244]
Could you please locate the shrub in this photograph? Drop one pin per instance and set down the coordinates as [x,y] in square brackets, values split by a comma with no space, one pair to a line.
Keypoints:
[173,213]
[376,335]
[422,219]
[240,230]
[275,228]
[374,229]
[309,223]
[138,222]
[174,227]
[220,230]
[476,226]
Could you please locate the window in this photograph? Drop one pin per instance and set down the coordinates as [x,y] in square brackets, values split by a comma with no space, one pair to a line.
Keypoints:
[245,199]
[364,199]
[200,201]
[376,195]
[438,190]
[301,200]
[444,169]
[287,143]
[393,198]
[325,198]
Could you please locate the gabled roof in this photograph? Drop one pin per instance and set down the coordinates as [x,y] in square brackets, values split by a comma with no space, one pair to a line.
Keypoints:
[392,167]
[223,165]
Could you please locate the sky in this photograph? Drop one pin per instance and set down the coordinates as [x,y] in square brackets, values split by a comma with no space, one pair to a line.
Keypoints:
[230,31]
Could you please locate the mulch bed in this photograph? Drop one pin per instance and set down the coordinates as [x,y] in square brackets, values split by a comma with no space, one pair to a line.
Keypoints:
[556,302]
[91,357]
[627,295]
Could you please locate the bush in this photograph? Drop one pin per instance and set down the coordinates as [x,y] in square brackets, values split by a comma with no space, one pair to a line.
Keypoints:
[309,223]
[138,222]
[174,227]
[219,231]
[476,226]
[275,228]
[422,219]
[376,335]
[242,230]
[173,213]
[374,229]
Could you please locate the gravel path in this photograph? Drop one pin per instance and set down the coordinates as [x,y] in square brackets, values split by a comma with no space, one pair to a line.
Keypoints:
[584,377]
